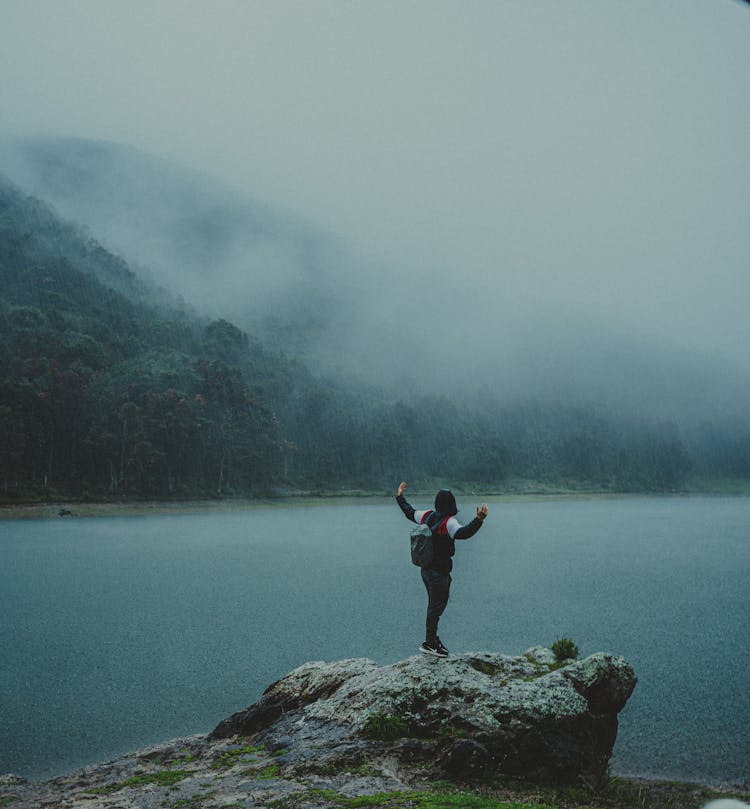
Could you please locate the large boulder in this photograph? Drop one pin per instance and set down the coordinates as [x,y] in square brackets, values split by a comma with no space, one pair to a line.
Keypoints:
[466,716]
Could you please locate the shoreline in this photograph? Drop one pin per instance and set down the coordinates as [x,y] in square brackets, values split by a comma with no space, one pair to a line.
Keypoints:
[139,508]
[56,509]
[648,782]
[189,771]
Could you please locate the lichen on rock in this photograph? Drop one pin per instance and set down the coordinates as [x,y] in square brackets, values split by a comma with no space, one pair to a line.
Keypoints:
[481,713]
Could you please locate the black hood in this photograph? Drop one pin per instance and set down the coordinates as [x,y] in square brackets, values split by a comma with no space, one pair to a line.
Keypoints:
[445,503]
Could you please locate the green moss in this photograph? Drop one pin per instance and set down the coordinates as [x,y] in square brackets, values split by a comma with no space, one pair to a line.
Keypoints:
[167,778]
[231,757]
[484,667]
[6,800]
[384,727]
[263,773]
[186,759]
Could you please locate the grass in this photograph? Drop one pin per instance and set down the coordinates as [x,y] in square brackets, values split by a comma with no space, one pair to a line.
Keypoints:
[511,491]
[231,757]
[167,778]
[417,799]
[432,800]
[616,793]
[718,486]
[265,774]
[185,759]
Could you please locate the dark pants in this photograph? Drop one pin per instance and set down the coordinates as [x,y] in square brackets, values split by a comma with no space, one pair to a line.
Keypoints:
[438,589]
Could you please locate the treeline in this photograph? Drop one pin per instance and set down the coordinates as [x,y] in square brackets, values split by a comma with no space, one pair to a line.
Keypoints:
[353,439]
[103,393]
[93,408]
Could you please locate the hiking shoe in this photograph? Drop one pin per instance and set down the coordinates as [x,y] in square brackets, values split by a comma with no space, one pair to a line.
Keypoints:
[438,650]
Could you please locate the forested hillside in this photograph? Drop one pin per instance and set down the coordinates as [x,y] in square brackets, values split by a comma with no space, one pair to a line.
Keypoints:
[108,390]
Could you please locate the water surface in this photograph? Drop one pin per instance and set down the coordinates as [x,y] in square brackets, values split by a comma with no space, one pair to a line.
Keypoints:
[119,632]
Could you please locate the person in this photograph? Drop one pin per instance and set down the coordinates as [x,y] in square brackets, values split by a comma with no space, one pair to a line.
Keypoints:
[437,577]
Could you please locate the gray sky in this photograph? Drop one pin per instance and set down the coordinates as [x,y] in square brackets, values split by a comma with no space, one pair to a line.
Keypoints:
[570,157]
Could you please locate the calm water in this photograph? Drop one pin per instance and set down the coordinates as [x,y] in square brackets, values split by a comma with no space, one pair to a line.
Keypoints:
[118,632]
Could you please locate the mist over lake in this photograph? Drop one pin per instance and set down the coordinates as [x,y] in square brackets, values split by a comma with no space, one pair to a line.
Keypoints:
[118,632]
[327,246]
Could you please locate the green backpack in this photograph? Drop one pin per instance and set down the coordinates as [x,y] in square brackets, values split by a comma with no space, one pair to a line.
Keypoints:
[421,542]
[421,545]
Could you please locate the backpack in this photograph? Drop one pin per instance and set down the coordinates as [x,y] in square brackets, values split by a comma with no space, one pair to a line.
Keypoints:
[421,543]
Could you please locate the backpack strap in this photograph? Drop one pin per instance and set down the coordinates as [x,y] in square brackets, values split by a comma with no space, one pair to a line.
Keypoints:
[434,528]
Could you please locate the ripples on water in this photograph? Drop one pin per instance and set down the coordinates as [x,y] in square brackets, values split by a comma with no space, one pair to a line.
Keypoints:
[118,632]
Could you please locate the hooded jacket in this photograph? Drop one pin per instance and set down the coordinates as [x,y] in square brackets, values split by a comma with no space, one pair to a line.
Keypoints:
[446,528]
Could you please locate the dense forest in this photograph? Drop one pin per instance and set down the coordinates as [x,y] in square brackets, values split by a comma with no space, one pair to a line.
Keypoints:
[109,388]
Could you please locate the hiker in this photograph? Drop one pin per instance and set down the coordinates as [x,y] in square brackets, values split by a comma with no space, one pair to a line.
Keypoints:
[437,577]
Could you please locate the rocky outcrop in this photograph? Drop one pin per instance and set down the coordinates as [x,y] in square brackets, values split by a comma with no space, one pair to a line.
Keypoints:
[466,716]
[330,732]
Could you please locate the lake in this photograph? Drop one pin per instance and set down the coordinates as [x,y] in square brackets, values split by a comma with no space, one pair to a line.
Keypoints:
[117,632]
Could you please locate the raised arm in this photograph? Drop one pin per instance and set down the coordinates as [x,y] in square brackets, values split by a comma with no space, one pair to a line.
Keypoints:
[468,531]
[403,505]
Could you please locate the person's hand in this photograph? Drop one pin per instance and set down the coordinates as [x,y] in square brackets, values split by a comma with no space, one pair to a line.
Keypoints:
[401,487]
[482,512]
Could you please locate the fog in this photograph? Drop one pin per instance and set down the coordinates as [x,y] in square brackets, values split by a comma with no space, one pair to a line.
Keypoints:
[532,197]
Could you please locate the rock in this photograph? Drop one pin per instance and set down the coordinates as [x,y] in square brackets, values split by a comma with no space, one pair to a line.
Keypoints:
[470,715]
[465,757]
[605,681]
[309,682]
[540,654]
[10,779]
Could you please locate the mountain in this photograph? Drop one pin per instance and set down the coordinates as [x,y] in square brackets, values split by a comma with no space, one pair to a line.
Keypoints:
[226,254]
[112,385]
[300,291]
[103,393]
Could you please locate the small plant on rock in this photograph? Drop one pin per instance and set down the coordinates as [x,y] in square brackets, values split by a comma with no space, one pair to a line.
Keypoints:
[386,728]
[564,649]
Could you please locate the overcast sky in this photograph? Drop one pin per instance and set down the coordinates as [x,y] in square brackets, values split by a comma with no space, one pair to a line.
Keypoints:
[587,156]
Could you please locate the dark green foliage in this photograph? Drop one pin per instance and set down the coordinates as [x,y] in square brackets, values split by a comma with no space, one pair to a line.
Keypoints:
[564,649]
[104,395]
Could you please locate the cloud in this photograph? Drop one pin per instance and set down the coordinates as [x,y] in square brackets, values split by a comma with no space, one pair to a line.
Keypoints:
[514,166]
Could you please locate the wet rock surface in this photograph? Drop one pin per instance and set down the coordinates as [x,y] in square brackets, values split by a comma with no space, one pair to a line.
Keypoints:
[479,712]
[355,728]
